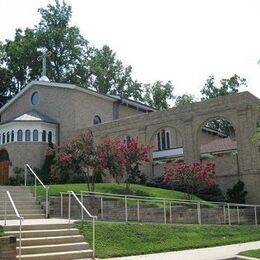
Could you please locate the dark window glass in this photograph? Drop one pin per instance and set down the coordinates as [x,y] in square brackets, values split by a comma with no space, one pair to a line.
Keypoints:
[163,140]
[159,141]
[96,120]
[35,135]
[12,136]
[27,135]
[35,98]
[8,137]
[50,137]
[20,135]
[44,136]
[3,138]
[168,145]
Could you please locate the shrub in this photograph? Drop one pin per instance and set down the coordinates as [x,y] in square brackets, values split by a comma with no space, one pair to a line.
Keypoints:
[237,194]
[18,177]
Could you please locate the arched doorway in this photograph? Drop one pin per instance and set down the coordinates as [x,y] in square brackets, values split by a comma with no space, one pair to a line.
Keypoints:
[4,167]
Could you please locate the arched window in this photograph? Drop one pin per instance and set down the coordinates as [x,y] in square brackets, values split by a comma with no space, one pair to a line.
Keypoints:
[27,135]
[8,137]
[163,140]
[43,136]
[35,135]
[19,135]
[3,138]
[96,120]
[12,136]
[50,137]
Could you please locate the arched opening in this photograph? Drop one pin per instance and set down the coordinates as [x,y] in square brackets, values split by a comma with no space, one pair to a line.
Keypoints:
[217,143]
[43,136]
[4,167]
[8,137]
[19,135]
[35,135]
[27,135]
[12,136]
[50,137]
[168,148]
[97,120]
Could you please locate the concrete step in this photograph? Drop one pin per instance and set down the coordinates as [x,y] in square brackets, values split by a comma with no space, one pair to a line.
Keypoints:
[25,216]
[51,240]
[21,211]
[21,207]
[59,255]
[22,201]
[41,249]
[40,227]
[45,233]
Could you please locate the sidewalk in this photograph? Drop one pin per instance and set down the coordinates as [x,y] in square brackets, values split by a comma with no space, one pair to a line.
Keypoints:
[210,253]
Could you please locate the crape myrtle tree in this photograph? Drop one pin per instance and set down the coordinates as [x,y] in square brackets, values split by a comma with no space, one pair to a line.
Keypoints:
[192,175]
[122,157]
[116,156]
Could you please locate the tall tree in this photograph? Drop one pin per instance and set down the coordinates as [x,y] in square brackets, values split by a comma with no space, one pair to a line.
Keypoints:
[109,76]
[159,94]
[227,86]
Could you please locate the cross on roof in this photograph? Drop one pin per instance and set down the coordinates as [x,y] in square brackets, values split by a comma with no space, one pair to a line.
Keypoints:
[43,57]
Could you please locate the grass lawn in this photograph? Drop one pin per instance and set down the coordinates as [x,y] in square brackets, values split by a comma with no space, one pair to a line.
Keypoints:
[115,188]
[251,253]
[120,239]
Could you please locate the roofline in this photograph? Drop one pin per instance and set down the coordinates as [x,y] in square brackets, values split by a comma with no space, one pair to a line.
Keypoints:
[75,87]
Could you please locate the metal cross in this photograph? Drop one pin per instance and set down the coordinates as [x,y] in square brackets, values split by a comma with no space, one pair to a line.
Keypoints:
[45,54]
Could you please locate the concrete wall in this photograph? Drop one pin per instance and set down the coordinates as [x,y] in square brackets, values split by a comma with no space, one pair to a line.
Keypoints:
[8,248]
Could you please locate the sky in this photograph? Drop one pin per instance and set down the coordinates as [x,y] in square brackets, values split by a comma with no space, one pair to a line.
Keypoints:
[184,41]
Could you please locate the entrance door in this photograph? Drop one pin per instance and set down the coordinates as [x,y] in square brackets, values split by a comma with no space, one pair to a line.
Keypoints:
[4,172]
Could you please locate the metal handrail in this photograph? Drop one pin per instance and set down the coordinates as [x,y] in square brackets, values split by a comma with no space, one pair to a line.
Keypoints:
[36,178]
[8,195]
[88,213]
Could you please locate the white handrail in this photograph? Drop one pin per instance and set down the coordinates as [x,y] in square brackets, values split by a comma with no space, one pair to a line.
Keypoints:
[36,178]
[8,195]
[88,213]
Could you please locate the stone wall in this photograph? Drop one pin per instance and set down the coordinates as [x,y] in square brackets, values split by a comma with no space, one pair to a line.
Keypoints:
[8,248]
[114,210]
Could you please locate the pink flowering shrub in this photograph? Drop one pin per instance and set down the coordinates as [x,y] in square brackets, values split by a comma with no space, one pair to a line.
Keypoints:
[192,175]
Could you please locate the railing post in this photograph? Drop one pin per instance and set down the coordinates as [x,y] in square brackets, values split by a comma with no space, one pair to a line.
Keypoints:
[25,175]
[229,219]
[5,207]
[138,210]
[170,206]
[94,246]
[102,207]
[224,211]
[199,213]
[47,202]
[20,239]
[69,208]
[81,199]
[126,217]
[255,215]
[164,212]
[238,217]
[35,189]
[61,204]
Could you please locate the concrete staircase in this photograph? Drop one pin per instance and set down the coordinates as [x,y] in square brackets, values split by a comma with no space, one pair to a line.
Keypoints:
[50,242]
[26,205]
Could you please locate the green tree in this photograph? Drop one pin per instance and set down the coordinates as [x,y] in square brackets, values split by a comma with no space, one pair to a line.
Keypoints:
[159,94]
[109,76]
[227,86]
[184,99]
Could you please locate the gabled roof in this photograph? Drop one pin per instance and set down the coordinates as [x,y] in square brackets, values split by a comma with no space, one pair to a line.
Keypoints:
[32,116]
[74,87]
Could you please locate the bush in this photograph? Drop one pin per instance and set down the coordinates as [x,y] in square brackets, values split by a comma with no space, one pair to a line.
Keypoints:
[18,177]
[237,194]
[213,193]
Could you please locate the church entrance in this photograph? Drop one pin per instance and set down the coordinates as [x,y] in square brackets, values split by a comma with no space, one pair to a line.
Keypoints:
[4,167]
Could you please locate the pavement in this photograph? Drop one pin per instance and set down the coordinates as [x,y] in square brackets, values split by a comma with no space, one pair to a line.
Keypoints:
[210,253]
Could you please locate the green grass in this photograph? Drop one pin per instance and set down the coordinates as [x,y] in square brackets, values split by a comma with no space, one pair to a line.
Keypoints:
[120,239]
[114,188]
[251,253]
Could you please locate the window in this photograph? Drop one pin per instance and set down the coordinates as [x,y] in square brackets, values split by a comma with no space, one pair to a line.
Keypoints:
[35,135]
[8,137]
[12,136]
[20,135]
[27,135]
[96,120]
[35,98]
[163,140]
[43,136]
[50,137]
[3,138]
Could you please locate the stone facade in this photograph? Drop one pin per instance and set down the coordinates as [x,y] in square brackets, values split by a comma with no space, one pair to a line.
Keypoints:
[8,248]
